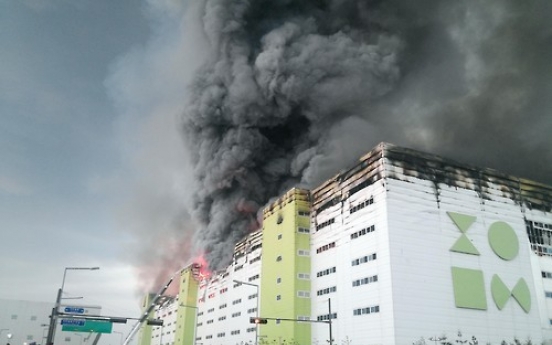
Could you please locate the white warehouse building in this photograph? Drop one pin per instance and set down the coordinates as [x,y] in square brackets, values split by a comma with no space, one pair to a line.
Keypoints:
[403,248]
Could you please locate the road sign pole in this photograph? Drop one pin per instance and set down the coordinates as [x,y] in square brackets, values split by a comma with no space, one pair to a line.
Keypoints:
[53,320]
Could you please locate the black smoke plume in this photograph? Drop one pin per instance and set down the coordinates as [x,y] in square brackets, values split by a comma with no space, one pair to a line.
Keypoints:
[292,91]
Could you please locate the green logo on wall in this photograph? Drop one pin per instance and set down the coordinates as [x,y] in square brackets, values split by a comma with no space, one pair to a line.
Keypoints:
[468,284]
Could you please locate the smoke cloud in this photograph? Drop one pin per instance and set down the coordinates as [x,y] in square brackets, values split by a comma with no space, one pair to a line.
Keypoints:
[287,93]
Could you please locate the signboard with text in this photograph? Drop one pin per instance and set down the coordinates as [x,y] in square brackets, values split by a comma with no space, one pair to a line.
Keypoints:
[88,326]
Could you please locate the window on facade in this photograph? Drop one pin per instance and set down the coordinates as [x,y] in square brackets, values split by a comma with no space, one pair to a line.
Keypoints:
[325,224]
[305,276]
[303,230]
[326,291]
[302,252]
[303,294]
[279,236]
[546,274]
[252,296]
[325,247]
[367,310]
[326,317]
[279,258]
[278,297]
[252,278]
[237,301]
[363,232]
[303,213]
[278,280]
[361,205]
[364,259]
[548,294]
[326,272]
[540,236]
[365,281]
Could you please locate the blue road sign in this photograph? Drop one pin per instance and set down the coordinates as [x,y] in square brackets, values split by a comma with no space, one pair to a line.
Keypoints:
[74,310]
[72,322]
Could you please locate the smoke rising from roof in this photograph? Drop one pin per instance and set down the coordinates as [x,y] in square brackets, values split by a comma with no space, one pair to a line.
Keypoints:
[288,93]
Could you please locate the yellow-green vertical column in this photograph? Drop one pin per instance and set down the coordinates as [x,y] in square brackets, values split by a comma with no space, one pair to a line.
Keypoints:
[185,331]
[285,255]
[145,330]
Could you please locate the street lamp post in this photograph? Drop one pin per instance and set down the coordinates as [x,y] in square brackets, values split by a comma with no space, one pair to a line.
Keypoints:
[53,316]
[257,314]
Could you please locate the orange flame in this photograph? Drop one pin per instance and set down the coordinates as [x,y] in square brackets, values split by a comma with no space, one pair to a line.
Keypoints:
[200,268]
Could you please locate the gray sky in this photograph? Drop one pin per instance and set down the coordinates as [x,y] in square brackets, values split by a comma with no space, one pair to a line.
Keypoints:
[61,158]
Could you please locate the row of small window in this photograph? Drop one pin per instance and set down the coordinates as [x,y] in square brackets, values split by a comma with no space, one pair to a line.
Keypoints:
[363,232]
[546,274]
[548,294]
[258,258]
[325,224]
[303,213]
[252,296]
[325,247]
[303,230]
[361,205]
[326,272]
[367,310]
[365,281]
[222,306]
[326,317]
[363,259]
[326,291]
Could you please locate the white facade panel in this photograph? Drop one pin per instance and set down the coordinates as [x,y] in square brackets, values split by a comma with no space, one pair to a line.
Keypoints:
[421,236]
[348,328]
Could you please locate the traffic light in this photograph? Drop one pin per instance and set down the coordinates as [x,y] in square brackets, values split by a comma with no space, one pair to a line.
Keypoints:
[155,322]
[258,320]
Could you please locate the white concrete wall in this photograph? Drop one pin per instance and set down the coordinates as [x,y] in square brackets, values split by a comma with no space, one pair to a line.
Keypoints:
[230,323]
[348,329]
[421,235]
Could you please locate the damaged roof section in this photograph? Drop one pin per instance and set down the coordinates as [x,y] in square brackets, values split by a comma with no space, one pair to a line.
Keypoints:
[387,161]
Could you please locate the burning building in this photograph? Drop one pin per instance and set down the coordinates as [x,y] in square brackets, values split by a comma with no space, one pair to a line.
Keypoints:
[401,248]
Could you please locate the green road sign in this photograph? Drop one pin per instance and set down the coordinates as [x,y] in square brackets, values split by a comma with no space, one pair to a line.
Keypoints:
[90,326]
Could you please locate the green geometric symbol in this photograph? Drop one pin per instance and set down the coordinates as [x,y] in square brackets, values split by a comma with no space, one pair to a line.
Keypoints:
[503,240]
[522,295]
[469,288]
[462,221]
[500,292]
[463,244]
